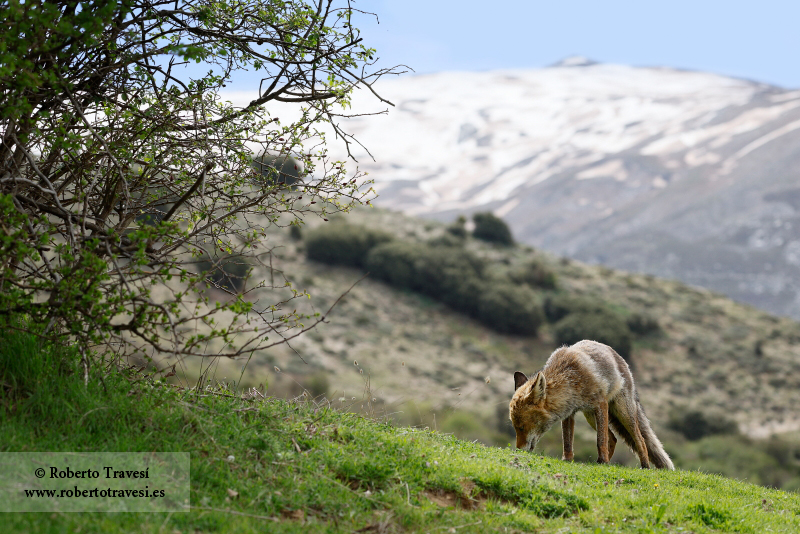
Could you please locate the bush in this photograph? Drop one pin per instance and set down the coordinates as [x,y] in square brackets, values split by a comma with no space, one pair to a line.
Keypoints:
[295,232]
[510,309]
[606,327]
[394,263]
[535,274]
[556,307]
[451,275]
[695,425]
[493,229]
[343,244]
[643,324]
[281,169]
[456,277]
[227,272]
[446,240]
[458,228]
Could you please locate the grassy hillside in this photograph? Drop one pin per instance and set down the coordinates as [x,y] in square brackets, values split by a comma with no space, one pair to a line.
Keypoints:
[711,364]
[263,464]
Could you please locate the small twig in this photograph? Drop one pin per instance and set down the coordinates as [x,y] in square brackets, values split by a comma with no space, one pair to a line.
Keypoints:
[296,446]
[408,497]
[188,193]
[195,406]
[85,363]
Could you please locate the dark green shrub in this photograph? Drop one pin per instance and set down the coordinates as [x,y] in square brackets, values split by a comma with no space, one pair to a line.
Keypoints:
[534,273]
[280,169]
[227,272]
[343,244]
[695,425]
[446,240]
[394,263]
[558,306]
[643,324]
[493,229]
[510,309]
[603,326]
[295,232]
[318,385]
[458,228]
[451,275]
[456,277]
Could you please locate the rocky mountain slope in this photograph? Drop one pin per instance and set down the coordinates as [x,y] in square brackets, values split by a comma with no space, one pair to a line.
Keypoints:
[685,175]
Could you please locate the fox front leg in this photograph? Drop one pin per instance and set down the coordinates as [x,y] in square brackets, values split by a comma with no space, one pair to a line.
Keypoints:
[567,435]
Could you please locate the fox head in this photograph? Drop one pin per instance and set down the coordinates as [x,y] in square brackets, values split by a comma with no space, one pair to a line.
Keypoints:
[528,410]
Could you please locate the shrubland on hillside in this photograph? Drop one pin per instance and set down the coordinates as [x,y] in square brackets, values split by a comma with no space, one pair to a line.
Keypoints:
[423,343]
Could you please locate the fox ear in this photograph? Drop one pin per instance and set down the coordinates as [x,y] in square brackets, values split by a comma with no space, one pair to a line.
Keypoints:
[519,380]
[539,388]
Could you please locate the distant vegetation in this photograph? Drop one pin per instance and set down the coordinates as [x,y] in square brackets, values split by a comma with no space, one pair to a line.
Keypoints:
[696,425]
[603,327]
[535,274]
[340,243]
[514,301]
[491,228]
[442,269]
[225,271]
[578,318]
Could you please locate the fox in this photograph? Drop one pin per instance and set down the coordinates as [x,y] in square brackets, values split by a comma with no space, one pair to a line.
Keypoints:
[592,378]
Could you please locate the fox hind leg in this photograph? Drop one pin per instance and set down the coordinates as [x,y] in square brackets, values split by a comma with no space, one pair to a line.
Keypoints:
[612,443]
[627,417]
[612,439]
[601,420]
[567,435]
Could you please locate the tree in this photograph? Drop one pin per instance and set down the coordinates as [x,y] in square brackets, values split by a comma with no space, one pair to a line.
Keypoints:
[120,167]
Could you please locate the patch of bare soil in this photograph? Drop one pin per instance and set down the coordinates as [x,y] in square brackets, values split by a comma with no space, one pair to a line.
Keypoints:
[467,499]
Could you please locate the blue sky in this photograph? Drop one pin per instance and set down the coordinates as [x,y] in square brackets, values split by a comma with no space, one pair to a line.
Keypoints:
[758,40]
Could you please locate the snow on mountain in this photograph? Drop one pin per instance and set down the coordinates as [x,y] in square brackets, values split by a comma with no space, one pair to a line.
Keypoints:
[681,174]
[478,138]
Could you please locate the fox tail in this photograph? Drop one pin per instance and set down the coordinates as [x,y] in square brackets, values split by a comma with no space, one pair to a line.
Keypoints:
[655,450]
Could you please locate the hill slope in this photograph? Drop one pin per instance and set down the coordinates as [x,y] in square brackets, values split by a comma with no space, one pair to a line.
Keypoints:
[261,464]
[428,365]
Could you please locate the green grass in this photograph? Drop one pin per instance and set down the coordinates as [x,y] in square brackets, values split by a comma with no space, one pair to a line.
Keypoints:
[301,467]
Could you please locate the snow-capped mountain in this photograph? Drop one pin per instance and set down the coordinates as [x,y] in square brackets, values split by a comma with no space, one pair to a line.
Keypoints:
[681,174]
